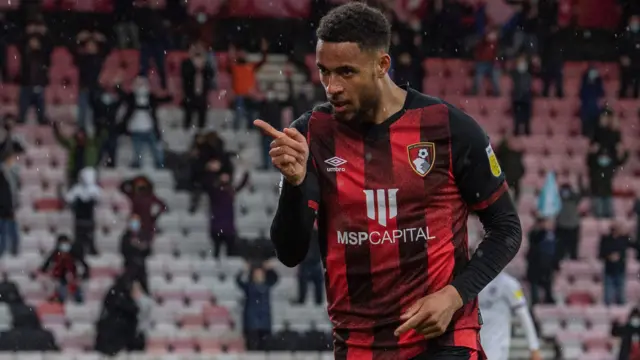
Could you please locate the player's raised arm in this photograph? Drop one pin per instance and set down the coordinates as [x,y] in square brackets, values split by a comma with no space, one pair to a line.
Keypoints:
[292,226]
[482,185]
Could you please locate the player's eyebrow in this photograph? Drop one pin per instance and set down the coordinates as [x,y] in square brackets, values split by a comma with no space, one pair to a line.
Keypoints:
[339,69]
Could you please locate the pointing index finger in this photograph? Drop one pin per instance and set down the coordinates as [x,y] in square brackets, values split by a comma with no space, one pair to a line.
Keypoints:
[268,129]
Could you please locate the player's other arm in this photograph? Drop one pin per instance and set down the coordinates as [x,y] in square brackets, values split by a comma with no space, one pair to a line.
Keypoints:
[518,303]
[483,187]
[292,226]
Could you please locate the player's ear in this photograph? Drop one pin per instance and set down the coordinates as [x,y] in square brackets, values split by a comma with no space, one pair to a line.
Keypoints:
[384,64]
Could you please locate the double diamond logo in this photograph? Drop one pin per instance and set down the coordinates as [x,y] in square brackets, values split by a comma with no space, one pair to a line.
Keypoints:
[335,161]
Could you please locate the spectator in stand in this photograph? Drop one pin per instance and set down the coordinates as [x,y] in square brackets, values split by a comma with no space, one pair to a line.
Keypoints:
[35,50]
[221,191]
[153,30]
[629,334]
[613,252]
[9,292]
[206,149]
[256,282]
[602,164]
[9,203]
[300,101]
[141,122]
[26,333]
[62,265]
[552,57]
[591,93]
[145,320]
[243,77]
[145,204]
[541,260]
[82,150]
[286,340]
[509,154]
[90,53]
[310,271]
[135,251]
[197,77]
[126,30]
[486,57]
[607,134]
[568,221]
[522,96]
[11,142]
[270,111]
[105,110]
[630,59]
[408,70]
[83,198]
[200,28]
[117,327]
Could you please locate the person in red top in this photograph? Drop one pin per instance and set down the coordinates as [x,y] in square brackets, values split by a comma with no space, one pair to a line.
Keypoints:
[486,56]
[391,175]
[243,79]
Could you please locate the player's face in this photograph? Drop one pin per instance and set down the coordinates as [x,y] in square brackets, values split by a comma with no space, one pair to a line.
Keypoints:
[348,75]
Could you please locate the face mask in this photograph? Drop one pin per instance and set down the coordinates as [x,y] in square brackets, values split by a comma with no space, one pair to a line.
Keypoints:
[202,18]
[65,247]
[604,160]
[134,225]
[634,27]
[107,99]
[522,67]
[593,74]
[635,322]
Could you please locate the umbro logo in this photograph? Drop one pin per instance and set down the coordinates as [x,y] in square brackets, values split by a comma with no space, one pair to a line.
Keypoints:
[335,162]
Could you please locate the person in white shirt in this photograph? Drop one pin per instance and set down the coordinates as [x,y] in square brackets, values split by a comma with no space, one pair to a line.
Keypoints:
[498,301]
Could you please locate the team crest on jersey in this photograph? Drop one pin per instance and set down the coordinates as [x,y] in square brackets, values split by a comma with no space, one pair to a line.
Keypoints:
[422,155]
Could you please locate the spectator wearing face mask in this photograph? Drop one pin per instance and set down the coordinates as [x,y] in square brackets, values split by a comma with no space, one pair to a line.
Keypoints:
[200,28]
[568,220]
[613,252]
[62,265]
[607,134]
[141,122]
[197,76]
[135,251]
[35,50]
[82,150]
[552,57]
[89,53]
[629,334]
[105,111]
[602,164]
[541,260]
[83,198]
[145,204]
[486,57]
[591,93]
[9,204]
[629,48]
[243,79]
[522,96]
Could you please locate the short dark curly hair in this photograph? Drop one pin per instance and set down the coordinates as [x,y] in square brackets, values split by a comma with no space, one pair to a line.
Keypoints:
[358,23]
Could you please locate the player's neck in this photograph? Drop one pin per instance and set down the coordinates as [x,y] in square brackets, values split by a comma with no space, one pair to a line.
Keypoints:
[392,99]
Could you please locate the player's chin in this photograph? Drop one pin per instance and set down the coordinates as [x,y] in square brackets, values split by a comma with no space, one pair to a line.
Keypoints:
[344,116]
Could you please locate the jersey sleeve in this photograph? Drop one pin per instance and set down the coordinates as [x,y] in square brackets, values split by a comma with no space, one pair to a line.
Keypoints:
[514,294]
[475,166]
[292,226]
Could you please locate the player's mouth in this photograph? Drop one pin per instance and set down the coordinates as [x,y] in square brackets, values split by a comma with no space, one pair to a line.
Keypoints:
[339,107]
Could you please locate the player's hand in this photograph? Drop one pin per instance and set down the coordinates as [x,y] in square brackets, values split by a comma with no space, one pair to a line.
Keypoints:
[431,315]
[289,152]
[535,355]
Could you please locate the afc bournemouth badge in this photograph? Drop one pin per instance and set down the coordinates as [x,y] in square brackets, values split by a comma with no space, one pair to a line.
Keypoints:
[421,157]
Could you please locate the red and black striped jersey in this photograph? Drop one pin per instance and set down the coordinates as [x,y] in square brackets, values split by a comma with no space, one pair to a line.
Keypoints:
[392,202]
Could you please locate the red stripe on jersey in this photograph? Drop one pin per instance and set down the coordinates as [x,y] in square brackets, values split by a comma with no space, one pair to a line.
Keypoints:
[486,203]
[312,204]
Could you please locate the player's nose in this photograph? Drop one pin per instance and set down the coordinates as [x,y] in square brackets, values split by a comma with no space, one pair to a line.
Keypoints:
[334,88]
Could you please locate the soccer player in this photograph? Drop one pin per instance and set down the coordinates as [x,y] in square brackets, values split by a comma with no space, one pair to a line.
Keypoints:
[502,297]
[391,175]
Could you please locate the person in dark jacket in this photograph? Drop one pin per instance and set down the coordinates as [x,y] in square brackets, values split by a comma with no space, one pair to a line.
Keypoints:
[106,104]
[629,333]
[408,70]
[35,50]
[602,166]
[117,327]
[256,283]
[552,58]
[9,293]
[270,110]
[89,53]
[591,92]
[26,333]
[9,202]
[509,154]
[197,77]
[62,264]
[135,251]
[629,49]
[522,96]
[83,198]
[607,134]
[141,121]
[613,252]
[82,150]
[145,204]
[286,340]
[310,271]
[568,220]
[153,33]
[220,188]
[541,260]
